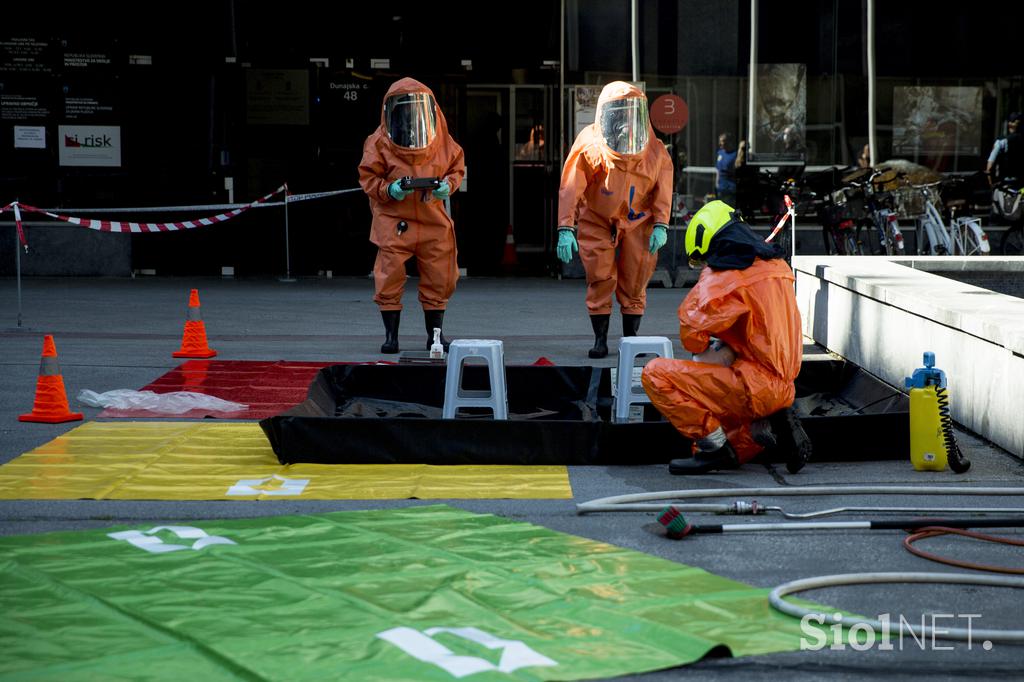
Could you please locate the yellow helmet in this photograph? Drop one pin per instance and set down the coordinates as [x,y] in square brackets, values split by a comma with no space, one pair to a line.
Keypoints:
[712,217]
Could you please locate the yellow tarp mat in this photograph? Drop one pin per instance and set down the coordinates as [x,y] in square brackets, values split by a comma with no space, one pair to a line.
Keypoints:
[234,461]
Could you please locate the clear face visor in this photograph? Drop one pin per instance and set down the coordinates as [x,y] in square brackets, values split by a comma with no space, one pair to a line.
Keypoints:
[411,119]
[624,124]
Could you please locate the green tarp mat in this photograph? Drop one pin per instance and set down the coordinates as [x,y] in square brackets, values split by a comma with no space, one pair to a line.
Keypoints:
[423,593]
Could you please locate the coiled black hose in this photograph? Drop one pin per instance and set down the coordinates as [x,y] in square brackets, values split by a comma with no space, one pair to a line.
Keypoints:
[957,462]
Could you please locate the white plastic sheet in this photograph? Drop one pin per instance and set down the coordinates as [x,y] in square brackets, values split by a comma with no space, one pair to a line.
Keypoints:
[177,402]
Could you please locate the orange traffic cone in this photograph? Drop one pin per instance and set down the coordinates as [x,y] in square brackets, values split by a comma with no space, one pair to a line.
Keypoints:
[51,405]
[193,340]
[509,259]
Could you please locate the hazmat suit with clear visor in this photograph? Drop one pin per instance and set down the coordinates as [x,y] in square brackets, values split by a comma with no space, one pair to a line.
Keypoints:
[614,203]
[410,119]
[624,124]
[412,141]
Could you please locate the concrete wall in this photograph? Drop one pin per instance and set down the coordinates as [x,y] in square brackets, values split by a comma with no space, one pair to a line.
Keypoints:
[883,315]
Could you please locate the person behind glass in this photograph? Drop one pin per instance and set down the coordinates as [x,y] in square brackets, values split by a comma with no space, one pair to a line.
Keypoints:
[725,169]
[533,148]
[616,195]
[864,160]
[1007,157]
[747,200]
[411,141]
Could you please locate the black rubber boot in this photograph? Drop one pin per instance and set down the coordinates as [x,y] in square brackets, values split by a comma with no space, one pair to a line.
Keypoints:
[703,462]
[434,319]
[631,324]
[793,445]
[391,319]
[600,325]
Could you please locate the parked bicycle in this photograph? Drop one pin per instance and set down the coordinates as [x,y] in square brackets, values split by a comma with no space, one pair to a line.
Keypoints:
[961,236]
[782,204]
[880,216]
[1008,204]
[841,213]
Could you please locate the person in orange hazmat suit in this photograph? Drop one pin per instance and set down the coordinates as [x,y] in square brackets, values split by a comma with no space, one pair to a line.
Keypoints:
[614,204]
[742,322]
[412,141]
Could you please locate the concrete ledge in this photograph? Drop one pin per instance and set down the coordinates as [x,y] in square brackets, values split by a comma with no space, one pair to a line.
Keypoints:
[882,314]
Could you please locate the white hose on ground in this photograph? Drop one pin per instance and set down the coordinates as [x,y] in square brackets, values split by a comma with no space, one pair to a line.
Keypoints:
[629,502]
[877,626]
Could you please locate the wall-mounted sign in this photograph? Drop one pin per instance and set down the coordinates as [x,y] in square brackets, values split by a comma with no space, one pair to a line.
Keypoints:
[22,107]
[26,55]
[277,97]
[89,145]
[30,137]
[349,92]
[669,114]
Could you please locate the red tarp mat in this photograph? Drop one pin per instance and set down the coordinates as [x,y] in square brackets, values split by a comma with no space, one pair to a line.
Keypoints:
[267,387]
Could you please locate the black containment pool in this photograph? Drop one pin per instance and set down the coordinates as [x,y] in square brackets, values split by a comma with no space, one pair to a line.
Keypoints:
[375,414]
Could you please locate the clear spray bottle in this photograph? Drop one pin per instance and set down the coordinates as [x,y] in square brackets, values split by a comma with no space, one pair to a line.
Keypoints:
[436,348]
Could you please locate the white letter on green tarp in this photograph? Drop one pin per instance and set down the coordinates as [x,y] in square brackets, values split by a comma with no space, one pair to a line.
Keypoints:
[514,655]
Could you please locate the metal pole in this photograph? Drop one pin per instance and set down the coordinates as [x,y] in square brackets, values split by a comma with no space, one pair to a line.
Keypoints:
[872,153]
[561,85]
[752,78]
[287,249]
[636,47]
[792,239]
[17,271]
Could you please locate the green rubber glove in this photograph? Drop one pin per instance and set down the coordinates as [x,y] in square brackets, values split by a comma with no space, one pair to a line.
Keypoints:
[396,192]
[658,237]
[566,244]
[443,191]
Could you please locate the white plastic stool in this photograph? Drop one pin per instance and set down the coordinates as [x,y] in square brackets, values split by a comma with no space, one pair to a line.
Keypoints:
[493,353]
[628,392]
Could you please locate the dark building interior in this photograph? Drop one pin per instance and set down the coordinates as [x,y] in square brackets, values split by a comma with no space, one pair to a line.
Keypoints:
[222,102]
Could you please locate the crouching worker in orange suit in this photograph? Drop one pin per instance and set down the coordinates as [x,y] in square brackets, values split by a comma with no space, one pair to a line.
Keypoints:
[412,141]
[616,198]
[741,320]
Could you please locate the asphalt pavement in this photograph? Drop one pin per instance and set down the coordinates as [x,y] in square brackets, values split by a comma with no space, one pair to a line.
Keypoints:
[120,333]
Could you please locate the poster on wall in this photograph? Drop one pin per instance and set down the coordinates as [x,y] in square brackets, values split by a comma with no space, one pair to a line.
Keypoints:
[584,107]
[781,113]
[936,120]
[89,145]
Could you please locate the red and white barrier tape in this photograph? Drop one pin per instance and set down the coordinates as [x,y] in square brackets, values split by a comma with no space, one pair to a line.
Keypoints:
[136,227]
[790,212]
[292,198]
[17,222]
[133,227]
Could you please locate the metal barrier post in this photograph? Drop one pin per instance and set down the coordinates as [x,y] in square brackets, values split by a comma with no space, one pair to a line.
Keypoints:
[17,271]
[287,249]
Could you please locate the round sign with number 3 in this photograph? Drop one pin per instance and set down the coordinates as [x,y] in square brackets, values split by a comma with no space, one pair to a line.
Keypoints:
[669,114]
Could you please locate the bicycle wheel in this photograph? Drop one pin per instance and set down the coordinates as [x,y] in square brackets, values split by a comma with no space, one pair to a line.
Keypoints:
[852,247]
[971,237]
[1013,241]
